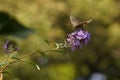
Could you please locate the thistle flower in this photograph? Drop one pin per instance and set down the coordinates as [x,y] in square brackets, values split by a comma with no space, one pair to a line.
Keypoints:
[10,47]
[78,38]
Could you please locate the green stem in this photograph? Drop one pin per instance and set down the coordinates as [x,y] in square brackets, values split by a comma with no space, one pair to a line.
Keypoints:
[6,66]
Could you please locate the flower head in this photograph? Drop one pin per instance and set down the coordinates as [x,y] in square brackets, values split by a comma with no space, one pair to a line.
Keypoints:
[10,47]
[78,38]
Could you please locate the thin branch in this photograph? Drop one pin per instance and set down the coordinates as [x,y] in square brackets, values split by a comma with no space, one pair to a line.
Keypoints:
[6,66]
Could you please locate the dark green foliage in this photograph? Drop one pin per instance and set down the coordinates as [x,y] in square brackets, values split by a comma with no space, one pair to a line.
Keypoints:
[47,42]
[43,55]
[10,26]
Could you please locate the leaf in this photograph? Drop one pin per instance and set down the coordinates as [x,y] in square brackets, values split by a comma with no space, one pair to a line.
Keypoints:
[1,64]
[43,56]
[47,42]
[7,72]
[33,64]
[57,45]
[14,55]
[37,67]
[15,58]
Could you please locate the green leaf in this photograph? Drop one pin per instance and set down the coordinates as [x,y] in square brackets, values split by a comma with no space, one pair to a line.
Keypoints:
[47,42]
[14,57]
[43,56]
[37,67]
[1,64]
[7,72]
[57,45]
[33,64]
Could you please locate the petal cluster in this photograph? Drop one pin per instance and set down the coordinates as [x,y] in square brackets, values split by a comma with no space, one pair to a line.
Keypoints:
[78,38]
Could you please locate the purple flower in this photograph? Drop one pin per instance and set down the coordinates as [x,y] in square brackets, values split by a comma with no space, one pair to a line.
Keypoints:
[78,38]
[10,47]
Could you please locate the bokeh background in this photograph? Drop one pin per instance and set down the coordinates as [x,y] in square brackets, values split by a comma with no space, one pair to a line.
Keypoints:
[50,19]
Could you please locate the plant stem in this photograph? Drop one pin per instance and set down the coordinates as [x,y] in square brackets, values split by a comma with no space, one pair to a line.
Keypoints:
[6,66]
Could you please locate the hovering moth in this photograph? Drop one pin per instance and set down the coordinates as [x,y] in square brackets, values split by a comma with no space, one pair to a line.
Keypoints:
[77,24]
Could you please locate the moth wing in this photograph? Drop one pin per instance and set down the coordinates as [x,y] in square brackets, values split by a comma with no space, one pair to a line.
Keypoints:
[75,22]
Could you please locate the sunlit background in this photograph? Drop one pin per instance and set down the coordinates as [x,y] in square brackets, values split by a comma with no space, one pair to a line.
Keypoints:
[49,19]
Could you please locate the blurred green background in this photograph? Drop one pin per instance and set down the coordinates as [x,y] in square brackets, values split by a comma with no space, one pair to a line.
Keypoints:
[50,20]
